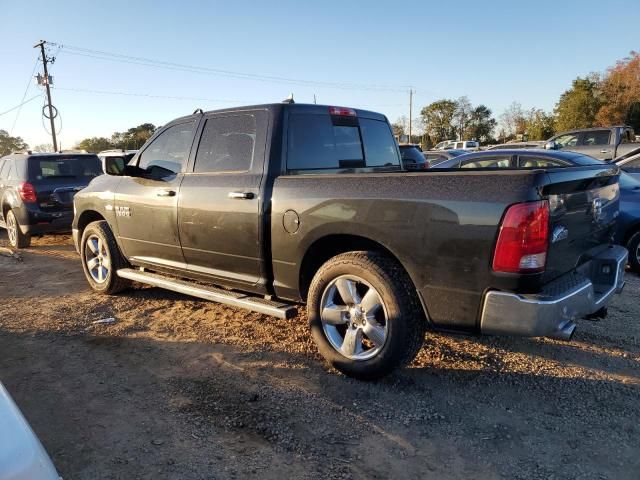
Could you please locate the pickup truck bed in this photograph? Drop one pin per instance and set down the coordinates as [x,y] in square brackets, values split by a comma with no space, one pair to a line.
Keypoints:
[269,205]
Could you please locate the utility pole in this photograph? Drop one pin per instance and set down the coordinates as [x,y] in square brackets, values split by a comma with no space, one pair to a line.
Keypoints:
[410,111]
[46,84]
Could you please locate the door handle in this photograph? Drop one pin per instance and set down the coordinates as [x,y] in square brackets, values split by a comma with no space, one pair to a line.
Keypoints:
[166,193]
[604,151]
[241,195]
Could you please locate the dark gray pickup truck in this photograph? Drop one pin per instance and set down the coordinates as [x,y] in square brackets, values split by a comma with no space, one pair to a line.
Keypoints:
[265,207]
[603,143]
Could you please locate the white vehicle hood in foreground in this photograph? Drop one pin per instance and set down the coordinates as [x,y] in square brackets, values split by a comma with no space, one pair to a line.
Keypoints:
[22,456]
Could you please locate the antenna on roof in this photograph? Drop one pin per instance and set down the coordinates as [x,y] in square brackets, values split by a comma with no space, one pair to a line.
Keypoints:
[198,110]
[289,99]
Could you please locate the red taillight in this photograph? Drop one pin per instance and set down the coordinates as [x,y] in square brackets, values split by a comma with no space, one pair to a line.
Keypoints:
[524,239]
[342,111]
[27,192]
[425,165]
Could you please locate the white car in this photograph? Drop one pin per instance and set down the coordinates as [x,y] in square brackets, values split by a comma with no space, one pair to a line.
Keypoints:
[469,145]
[22,456]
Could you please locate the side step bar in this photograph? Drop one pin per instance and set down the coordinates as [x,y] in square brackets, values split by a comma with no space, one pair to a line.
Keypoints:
[234,299]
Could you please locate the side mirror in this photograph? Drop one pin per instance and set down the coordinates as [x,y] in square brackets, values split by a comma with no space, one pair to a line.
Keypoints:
[551,145]
[113,165]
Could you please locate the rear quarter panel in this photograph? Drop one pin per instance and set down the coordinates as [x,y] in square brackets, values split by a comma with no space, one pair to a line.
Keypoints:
[440,225]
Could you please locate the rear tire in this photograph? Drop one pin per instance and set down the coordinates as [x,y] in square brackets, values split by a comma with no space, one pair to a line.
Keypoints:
[17,239]
[364,315]
[101,259]
[633,245]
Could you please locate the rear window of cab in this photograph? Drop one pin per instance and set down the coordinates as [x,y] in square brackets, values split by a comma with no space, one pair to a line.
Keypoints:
[327,142]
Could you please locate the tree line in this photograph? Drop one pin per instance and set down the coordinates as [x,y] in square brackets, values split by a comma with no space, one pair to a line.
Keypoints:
[612,98]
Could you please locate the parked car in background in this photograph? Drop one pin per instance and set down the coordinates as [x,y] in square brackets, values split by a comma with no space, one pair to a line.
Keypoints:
[512,145]
[123,155]
[412,157]
[444,144]
[22,456]
[434,157]
[37,190]
[630,162]
[602,143]
[469,145]
[628,227]
[628,231]
[288,203]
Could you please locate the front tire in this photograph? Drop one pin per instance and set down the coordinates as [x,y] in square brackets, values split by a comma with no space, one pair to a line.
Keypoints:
[17,239]
[101,259]
[633,245]
[364,315]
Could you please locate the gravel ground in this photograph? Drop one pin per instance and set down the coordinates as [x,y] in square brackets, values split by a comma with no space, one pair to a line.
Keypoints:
[181,388]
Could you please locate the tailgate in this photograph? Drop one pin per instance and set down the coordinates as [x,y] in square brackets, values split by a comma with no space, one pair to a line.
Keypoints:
[584,204]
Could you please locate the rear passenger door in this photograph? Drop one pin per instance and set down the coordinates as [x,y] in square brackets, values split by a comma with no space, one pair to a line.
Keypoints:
[220,203]
[597,144]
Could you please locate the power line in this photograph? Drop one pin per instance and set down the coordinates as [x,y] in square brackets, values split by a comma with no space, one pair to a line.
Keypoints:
[21,104]
[143,61]
[24,95]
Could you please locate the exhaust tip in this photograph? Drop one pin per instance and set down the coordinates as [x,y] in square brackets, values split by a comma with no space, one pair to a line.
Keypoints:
[566,331]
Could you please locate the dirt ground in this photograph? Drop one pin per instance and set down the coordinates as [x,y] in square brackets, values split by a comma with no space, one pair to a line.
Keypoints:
[185,389]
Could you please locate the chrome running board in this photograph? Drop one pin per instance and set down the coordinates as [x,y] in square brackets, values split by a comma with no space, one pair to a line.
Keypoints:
[227,297]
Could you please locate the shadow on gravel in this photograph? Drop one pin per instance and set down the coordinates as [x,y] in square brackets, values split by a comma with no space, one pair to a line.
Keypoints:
[141,408]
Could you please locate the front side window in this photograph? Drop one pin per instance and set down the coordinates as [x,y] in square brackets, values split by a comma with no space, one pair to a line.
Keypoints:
[227,144]
[568,140]
[599,137]
[169,151]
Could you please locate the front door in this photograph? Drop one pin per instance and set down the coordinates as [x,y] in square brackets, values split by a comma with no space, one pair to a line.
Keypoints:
[597,144]
[220,202]
[146,204]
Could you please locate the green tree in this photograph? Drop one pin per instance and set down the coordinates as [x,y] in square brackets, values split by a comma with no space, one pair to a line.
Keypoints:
[10,144]
[95,144]
[481,124]
[134,137]
[539,125]
[400,126]
[43,148]
[438,118]
[578,106]
[462,116]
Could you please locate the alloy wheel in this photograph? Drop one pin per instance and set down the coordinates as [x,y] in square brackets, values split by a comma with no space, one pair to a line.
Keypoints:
[97,259]
[354,317]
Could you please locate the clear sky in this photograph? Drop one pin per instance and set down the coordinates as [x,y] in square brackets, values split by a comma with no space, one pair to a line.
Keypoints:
[494,52]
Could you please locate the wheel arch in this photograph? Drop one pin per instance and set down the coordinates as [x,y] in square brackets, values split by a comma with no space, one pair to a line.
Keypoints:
[87,217]
[329,246]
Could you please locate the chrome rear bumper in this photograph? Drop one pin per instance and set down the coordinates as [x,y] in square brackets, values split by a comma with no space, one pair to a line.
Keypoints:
[553,312]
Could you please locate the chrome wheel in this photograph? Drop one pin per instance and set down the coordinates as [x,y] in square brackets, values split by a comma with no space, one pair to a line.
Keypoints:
[354,317]
[12,229]
[97,259]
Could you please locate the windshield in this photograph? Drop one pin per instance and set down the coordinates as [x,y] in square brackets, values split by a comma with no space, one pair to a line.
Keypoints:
[59,166]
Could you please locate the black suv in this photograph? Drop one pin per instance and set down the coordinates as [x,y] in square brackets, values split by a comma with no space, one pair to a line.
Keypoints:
[36,192]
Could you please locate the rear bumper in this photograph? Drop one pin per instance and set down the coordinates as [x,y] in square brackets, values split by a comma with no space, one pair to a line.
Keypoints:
[35,222]
[553,312]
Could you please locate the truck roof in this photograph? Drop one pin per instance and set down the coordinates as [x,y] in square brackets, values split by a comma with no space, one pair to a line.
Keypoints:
[294,107]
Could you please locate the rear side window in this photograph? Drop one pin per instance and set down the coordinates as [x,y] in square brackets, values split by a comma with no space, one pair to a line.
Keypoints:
[538,162]
[227,144]
[42,168]
[488,162]
[379,144]
[315,143]
[169,150]
[599,137]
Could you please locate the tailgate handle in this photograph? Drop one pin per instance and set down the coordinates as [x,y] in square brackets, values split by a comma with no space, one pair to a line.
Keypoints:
[166,193]
[241,195]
